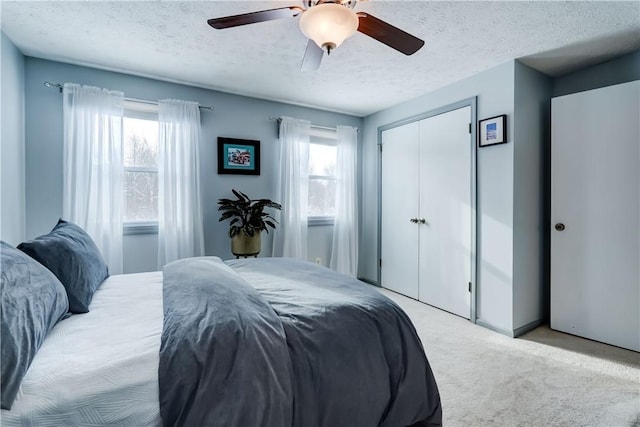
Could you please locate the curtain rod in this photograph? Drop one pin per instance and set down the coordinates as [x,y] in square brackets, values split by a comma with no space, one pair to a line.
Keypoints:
[315,126]
[144,101]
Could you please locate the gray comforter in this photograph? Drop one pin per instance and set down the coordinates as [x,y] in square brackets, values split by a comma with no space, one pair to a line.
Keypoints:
[277,342]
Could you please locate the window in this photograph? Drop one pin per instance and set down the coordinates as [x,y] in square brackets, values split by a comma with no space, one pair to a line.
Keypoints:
[322,176]
[140,128]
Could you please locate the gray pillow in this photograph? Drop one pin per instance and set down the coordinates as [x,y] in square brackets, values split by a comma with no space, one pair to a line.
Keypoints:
[70,253]
[33,301]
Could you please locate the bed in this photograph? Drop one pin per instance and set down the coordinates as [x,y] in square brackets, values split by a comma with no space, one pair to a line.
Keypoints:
[253,342]
[101,367]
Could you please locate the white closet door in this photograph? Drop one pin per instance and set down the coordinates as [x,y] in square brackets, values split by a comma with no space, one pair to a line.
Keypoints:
[445,205]
[595,215]
[399,236]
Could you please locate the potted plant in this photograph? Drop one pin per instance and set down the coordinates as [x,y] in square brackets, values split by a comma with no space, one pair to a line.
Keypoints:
[248,220]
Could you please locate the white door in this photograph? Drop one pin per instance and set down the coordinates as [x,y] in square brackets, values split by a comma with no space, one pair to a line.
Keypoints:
[399,199]
[595,215]
[445,211]
[426,223]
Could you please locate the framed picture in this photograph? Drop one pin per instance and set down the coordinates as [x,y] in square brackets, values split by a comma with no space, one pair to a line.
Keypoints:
[492,131]
[238,156]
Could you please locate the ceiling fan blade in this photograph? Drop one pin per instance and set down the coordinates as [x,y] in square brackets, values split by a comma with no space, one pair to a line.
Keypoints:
[254,17]
[388,34]
[312,57]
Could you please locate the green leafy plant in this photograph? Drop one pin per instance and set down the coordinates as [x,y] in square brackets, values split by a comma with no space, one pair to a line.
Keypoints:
[247,215]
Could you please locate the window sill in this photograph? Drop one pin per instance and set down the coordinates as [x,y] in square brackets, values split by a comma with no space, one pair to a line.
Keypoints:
[314,221]
[142,227]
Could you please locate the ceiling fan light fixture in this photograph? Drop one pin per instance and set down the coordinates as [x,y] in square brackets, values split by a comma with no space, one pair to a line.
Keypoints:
[329,24]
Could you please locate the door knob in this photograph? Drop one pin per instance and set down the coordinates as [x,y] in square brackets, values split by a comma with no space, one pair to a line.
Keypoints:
[414,220]
[423,221]
[560,226]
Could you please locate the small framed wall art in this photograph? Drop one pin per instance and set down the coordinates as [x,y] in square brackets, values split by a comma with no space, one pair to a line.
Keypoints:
[238,156]
[492,131]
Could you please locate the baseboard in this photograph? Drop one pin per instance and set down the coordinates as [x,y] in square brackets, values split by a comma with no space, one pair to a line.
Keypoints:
[511,334]
[528,327]
[371,282]
[487,325]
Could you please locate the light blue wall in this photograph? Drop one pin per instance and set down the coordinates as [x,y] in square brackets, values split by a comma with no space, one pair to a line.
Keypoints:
[531,128]
[494,89]
[623,69]
[12,144]
[235,116]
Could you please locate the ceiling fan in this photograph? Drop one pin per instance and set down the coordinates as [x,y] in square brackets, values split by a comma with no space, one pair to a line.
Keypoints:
[327,23]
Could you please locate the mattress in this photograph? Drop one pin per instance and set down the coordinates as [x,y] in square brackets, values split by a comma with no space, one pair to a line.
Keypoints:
[113,353]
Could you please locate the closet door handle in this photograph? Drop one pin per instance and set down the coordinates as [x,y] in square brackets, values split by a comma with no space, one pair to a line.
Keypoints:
[419,221]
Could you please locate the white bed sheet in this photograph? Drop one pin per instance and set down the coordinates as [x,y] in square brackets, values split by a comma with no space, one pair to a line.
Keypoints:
[98,368]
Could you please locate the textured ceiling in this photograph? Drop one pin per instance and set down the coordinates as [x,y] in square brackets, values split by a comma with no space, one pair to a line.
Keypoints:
[171,41]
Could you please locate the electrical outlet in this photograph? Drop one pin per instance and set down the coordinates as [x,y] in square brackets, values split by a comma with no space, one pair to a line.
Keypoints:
[318,260]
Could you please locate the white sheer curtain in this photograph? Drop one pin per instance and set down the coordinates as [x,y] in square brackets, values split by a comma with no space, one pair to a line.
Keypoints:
[290,238]
[344,252]
[92,195]
[180,231]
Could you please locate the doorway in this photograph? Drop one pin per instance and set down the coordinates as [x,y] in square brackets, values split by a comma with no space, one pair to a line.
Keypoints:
[427,228]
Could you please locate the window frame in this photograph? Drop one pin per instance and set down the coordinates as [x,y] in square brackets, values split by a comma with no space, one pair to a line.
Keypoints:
[322,136]
[145,111]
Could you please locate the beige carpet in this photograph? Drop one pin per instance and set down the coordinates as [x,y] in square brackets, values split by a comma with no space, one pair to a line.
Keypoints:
[544,378]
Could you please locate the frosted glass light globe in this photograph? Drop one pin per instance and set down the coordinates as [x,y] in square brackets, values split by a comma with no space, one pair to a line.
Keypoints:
[329,24]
